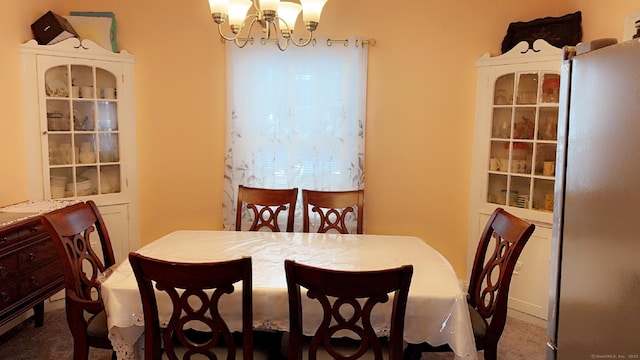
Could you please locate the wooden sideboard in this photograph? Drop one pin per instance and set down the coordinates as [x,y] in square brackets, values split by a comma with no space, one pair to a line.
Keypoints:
[30,271]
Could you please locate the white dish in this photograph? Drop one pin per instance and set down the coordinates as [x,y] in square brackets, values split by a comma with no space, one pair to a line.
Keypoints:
[57,88]
[56,84]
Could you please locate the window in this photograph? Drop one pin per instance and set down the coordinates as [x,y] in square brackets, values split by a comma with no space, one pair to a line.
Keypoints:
[294,119]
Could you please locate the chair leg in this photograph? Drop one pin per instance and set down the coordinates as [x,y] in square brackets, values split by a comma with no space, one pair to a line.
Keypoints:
[80,350]
[412,352]
[491,352]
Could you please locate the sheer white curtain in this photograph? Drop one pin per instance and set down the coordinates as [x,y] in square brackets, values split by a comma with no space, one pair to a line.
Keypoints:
[294,119]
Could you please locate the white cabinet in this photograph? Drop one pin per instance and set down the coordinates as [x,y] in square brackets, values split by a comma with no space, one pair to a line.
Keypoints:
[80,130]
[514,158]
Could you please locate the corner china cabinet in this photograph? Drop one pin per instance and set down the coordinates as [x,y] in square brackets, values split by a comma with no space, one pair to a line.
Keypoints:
[514,159]
[80,131]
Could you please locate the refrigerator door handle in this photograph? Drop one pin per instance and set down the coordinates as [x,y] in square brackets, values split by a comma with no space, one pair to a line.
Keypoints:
[552,349]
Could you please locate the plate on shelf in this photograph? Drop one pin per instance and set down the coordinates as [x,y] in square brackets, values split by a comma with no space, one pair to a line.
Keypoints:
[56,84]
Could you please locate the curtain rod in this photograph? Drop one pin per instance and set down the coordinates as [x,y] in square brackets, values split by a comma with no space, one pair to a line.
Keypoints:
[345,42]
[370,42]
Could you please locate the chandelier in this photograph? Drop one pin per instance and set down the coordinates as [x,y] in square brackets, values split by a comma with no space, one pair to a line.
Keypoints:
[276,18]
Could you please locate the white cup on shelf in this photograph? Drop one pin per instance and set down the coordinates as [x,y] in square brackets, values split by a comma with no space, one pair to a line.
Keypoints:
[108,93]
[504,165]
[86,92]
[494,164]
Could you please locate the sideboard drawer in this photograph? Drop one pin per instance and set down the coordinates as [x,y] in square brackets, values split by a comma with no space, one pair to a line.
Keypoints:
[8,238]
[37,256]
[8,293]
[8,267]
[32,230]
[39,278]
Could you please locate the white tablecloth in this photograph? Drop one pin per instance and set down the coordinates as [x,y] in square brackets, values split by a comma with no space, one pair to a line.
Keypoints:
[436,309]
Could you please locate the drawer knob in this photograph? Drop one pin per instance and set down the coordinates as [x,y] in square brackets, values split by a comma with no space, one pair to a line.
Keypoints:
[34,229]
[34,281]
[3,240]
[32,257]
[5,297]
[3,271]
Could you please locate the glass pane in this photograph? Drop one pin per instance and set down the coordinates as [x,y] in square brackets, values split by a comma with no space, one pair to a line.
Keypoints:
[521,158]
[110,179]
[543,196]
[83,116]
[82,76]
[86,148]
[501,123]
[550,88]
[548,124]
[497,183]
[527,89]
[86,181]
[504,90]
[109,147]
[59,179]
[60,152]
[58,118]
[499,156]
[545,159]
[524,123]
[56,81]
[519,189]
[107,116]
[106,83]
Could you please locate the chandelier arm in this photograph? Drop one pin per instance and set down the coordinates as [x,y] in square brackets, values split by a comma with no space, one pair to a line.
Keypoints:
[244,43]
[277,31]
[222,35]
[236,36]
[256,5]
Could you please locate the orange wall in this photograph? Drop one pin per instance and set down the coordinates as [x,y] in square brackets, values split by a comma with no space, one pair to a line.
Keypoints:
[421,101]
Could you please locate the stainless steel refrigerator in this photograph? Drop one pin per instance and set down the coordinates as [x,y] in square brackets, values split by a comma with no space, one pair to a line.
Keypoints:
[594,310]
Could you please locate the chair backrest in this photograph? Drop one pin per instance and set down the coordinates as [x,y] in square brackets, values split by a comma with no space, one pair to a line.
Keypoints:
[500,245]
[70,229]
[265,206]
[347,292]
[333,209]
[195,290]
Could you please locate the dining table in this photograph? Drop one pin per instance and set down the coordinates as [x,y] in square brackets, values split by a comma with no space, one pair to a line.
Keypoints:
[436,309]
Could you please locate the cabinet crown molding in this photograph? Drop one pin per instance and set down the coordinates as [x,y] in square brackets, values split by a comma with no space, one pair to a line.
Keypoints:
[521,53]
[75,47]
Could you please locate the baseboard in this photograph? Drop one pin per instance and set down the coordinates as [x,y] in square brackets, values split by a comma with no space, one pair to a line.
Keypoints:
[527,317]
[54,304]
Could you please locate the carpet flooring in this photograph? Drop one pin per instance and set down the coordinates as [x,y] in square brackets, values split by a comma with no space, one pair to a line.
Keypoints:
[520,340]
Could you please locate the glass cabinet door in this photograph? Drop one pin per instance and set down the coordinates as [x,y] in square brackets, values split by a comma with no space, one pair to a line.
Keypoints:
[521,164]
[82,136]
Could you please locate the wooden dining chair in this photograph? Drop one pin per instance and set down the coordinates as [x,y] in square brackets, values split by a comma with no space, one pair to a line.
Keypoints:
[70,229]
[501,243]
[333,209]
[195,291]
[348,299]
[265,206]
